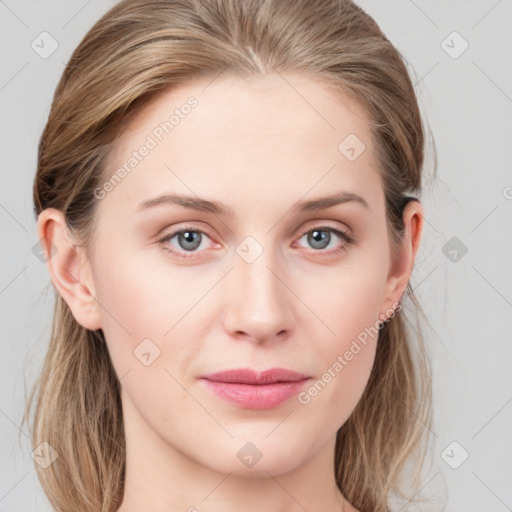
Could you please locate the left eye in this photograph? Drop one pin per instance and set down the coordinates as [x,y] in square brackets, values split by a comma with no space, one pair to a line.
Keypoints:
[320,237]
[190,239]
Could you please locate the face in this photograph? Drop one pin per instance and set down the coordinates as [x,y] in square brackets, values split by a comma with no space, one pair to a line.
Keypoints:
[262,276]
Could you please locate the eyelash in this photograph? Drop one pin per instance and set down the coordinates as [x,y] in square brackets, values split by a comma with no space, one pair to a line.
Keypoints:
[342,234]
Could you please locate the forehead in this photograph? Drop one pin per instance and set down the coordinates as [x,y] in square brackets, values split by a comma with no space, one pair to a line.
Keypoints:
[268,137]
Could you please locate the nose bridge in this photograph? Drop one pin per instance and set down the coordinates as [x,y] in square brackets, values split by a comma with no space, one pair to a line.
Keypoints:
[260,302]
[255,271]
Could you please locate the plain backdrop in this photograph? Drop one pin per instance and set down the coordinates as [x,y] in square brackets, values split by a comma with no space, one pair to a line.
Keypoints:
[460,54]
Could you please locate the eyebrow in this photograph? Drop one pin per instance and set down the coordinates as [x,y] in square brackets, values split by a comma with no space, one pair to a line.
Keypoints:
[204,205]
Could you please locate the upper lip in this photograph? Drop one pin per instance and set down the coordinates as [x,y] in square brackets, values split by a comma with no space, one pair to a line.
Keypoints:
[250,376]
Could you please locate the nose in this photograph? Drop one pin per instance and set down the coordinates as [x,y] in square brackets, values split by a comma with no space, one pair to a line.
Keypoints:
[259,302]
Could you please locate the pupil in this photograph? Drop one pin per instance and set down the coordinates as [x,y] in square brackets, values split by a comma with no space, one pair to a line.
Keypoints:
[320,236]
[189,243]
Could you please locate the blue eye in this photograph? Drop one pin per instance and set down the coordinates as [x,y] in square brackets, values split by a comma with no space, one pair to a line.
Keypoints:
[189,240]
[320,237]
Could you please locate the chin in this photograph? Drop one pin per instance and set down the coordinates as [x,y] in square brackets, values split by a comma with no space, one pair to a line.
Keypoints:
[257,458]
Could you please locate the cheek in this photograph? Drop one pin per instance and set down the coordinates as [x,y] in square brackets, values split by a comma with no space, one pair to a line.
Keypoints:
[138,308]
[348,308]
[349,302]
[146,322]
[346,359]
[144,298]
[155,318]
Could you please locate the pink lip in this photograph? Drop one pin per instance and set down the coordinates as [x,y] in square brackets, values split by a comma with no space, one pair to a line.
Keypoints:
[252,389]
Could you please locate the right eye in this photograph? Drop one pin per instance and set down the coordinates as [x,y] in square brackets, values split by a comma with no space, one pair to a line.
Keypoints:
[189,239]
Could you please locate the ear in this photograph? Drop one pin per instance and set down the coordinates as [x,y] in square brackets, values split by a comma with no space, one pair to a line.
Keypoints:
[69,268]
[403,264]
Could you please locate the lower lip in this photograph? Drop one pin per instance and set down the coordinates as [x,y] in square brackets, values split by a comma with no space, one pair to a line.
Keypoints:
[252,396]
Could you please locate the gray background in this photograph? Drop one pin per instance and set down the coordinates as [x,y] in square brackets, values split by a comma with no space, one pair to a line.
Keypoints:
[467,101]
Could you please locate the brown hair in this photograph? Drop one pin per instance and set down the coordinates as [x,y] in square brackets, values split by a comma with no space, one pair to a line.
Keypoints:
[138,49]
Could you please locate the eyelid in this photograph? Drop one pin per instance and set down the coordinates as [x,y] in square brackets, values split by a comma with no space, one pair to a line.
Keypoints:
[184,228]
[347,232]
[344,234]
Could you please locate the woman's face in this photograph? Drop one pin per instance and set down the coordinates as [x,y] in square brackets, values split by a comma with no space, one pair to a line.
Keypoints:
[260,278]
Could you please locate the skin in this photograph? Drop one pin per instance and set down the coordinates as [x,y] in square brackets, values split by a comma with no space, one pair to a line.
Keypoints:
[258,147]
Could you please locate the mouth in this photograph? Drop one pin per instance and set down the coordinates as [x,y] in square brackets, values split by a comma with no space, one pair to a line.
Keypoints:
[252,389]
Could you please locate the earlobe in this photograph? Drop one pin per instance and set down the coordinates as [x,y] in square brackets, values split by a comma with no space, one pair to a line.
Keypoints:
[401,268]
[69,268]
